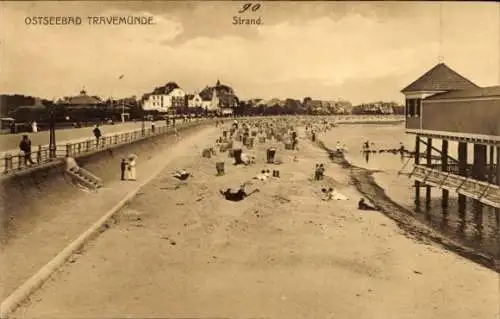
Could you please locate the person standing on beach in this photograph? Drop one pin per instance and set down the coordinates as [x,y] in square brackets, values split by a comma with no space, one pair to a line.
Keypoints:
[132,163]
[97,134]
[294,140]
[153,126]
[25,146]
[123,167]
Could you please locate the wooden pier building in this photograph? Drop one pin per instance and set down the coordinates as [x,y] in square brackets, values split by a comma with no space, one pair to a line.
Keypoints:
[444,106]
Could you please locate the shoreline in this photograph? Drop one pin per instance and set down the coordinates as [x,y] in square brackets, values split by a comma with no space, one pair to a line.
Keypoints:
[365,183]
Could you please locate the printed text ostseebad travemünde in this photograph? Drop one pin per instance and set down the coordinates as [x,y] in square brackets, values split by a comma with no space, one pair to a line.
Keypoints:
[90,20]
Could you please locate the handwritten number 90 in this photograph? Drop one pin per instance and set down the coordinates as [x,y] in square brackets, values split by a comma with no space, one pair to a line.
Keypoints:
[247,6]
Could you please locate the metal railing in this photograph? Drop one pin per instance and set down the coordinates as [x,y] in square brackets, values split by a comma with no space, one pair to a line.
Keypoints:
[15,162]
[468,172]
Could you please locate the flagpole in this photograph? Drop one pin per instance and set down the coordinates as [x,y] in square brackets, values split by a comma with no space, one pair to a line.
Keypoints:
[122,102]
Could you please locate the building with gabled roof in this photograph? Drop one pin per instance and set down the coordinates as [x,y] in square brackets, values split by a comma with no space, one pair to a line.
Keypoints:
[167,98]
[440,78]
[443,105]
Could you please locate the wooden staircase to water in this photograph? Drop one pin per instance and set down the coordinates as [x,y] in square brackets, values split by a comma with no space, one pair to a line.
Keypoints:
[484,192]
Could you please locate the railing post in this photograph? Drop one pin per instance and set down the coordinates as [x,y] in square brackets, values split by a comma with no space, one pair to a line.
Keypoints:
[68,149]
[19,161]
[79,148]
[116,139]
[39,154]
[8,162]
[88,145]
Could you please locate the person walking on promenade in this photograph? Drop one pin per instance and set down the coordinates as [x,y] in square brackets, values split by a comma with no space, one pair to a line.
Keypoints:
[97,134]
[34,127]
[25,146]
[153,125]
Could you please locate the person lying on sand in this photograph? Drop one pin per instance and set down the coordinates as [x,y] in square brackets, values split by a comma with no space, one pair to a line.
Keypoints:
[332,194]
[182,174]
[247,159]
[364,206]
[236,196]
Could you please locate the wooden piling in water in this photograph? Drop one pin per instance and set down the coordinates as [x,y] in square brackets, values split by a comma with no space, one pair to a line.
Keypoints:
[462,171]
[497,210]
[479,173]
[428,155]
[491,165]
[417,183]
[444,168]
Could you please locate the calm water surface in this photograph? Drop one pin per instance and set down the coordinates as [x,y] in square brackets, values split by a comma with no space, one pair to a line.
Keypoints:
[399,188]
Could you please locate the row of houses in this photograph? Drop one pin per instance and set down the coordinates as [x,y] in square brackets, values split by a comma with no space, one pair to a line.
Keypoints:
[378,107]
[308,104]
[170,98]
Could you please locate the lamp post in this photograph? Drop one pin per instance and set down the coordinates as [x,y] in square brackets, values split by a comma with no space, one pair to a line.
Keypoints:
[52,131]
[143,124]
[123,111]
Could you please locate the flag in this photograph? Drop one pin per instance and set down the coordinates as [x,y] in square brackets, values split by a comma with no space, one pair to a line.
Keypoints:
[121,77]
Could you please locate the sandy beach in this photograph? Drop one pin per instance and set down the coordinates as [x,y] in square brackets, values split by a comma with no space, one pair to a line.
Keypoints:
[180,250]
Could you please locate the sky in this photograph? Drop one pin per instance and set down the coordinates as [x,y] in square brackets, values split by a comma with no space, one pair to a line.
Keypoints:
[359,51]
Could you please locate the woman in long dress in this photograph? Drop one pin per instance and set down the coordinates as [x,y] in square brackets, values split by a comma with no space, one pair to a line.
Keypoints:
[132,162]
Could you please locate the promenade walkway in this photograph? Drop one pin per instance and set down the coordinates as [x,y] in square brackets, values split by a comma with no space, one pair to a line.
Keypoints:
[9,143]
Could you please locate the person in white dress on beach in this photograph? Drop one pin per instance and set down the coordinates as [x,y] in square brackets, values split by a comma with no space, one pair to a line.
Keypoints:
[131,168]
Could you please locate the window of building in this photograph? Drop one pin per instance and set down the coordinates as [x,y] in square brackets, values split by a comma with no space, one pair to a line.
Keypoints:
[410,107]
[418,107]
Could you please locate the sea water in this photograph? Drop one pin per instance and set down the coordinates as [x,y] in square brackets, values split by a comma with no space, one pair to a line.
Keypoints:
[399,187]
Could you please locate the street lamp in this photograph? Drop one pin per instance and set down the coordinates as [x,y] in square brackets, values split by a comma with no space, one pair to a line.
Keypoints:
[123,110]
[143,125]
[52,131]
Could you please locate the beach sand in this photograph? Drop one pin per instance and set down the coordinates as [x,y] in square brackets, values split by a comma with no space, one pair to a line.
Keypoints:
[180,250]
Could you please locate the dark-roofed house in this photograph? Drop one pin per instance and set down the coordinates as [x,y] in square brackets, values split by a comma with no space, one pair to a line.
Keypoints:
[81,101]
[167,98]
[222,98]
[443,105]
